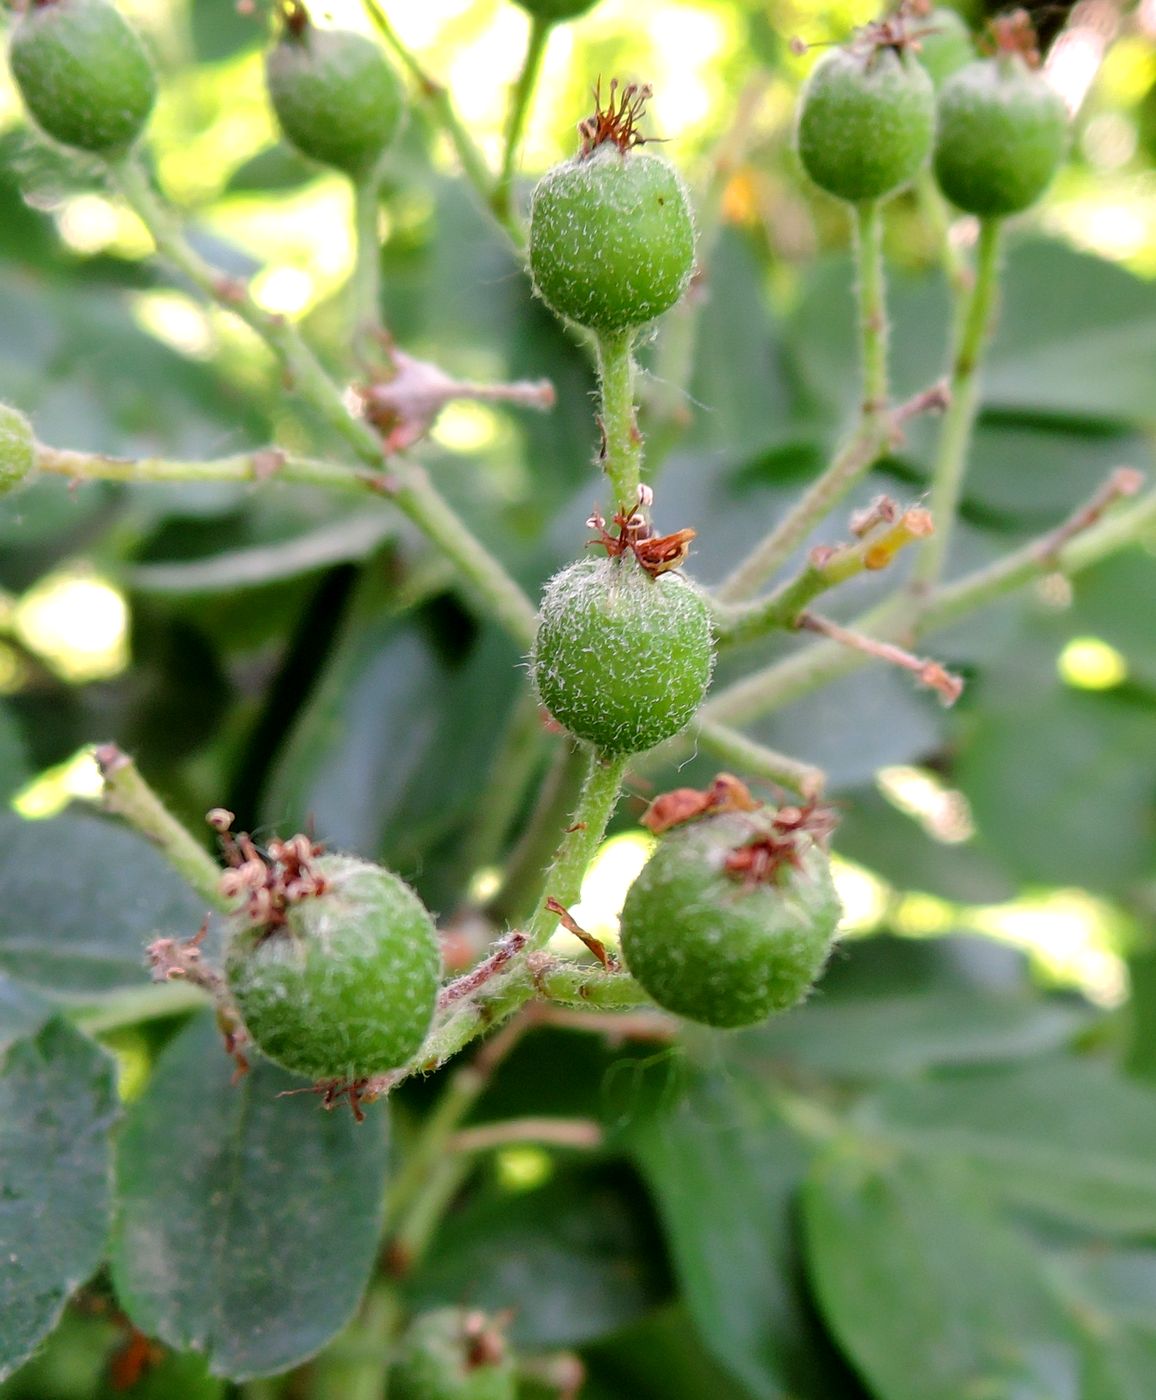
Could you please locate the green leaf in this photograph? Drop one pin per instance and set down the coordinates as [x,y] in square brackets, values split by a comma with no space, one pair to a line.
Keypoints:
[14,768]
[1065,1137]
[22,1012]
[723,1168]
[660,1358]
[57,1106]
[1111,1298]
[248,1223]
[931,1295]
[888,1037]
[83,897]
[574,1259]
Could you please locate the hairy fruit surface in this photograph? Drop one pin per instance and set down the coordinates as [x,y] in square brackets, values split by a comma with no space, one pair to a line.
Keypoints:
[611,238]
[622,658]
[84,74]
[452,1354]
[345,984]
[336,98]
[732,918]
[866,119]
[1000,137]
[17,448]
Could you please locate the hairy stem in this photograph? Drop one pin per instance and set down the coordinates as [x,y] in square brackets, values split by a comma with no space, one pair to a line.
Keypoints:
[873,328]
[355,1365]
[749,756]
[520,101]
[959,420]
[623,444]
[261,465]
[365,284]
[128,795]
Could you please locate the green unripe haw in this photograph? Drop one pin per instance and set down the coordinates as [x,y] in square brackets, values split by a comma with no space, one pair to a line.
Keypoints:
[1000,136]
[17,449]
[337,977]
[623,658]
[452,1354]
[945,44]
[336,98]
[866,118]
[611,231]
[83,73]
[733,916]
[556,11]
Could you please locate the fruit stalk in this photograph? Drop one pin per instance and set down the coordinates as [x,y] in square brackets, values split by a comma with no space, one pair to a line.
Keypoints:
[748,756]
[127,794]
[262,464]
[623,449]
[959,420]
[365,283]
[520,100]
[870,437]
[355,1365]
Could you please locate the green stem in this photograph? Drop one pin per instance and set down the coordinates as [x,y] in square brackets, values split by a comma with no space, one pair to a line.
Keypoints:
[623,448]
[540,29]
[355,1365]
[408,487]
[936,214]
[563,879]
[127,794]
[438,101]
[959,420]
[749,756]
[459,1096]
[416,1230]
[135,1005]
[516,762]
[865,445]
[365,284]
[262,464]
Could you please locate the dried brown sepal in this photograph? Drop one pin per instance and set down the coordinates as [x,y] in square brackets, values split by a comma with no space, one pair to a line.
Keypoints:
[657,554]
[726,794]
[595,945]
[780,842]
[269,881]
[1013,33]
[617,120]
[181,960]
[335,1092]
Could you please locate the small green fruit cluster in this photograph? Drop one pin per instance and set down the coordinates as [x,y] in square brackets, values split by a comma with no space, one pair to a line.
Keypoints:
[622,659]
[732,918]
[84,74]
[17,449]
[866,118]
[452,1354]
[611,231]
[945,44]
[344,983]
[1000,137]
[335,96]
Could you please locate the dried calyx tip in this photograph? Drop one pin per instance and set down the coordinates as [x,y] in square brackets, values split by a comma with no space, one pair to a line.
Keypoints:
[1014,33]
[295,17]
[618,120]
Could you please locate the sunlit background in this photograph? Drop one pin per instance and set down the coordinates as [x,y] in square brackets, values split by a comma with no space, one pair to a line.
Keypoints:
[213,118]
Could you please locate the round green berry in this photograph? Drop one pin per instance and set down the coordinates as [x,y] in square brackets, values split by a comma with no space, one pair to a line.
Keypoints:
[945,44]
[17,449]
[611,238]
[336,98]
[555,11]
[345,986]
[866,118]
[84,74]
[452,1354]
[1000,136]
[622,659]
[730,920]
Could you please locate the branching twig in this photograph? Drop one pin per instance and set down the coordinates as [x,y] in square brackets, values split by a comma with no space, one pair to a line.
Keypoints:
[929,673]
[580,1134]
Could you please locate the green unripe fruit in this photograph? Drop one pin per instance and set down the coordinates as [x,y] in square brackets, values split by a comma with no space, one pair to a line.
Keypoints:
[945,44]
[346,986]
[611,238]
[728,946]
[866,119]
[17,449]
[556,10]
[452,1355]
[622,659]
[1000,137]
[84,74]
[336,98]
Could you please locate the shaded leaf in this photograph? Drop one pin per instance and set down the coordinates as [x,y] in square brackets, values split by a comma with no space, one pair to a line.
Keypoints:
[82,899]
[57,1106]
[248,1228]
[660,1358]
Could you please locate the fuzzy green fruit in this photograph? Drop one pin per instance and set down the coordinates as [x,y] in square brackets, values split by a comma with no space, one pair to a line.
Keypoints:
[556,10]
[17,449]
[84,74]
[866,119]
[622,659]
[716,946]
[945,44]
[346,987]
[611,238]
[1000,137]
[450,1355]
[336,98]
